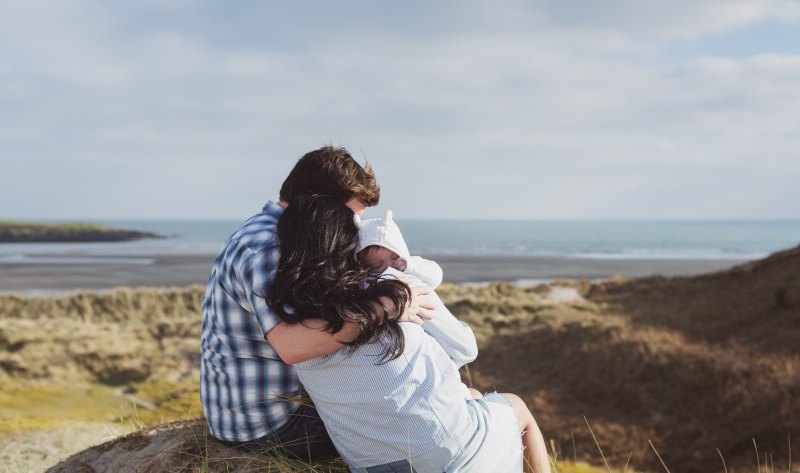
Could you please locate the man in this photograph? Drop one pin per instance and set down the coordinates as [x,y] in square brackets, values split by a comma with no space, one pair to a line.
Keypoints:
[248,387]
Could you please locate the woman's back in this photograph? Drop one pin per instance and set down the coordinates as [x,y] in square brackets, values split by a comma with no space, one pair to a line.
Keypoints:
[409,407]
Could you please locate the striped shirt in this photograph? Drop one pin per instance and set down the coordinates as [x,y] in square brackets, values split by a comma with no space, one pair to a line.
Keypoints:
[242,378]
[404,408]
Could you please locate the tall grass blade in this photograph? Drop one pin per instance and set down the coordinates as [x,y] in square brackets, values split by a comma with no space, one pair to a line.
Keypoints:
[659,456]
[552,464]
[553,449]
[575,450]
[758,460]
[628,462]
[605,462]
[724,466]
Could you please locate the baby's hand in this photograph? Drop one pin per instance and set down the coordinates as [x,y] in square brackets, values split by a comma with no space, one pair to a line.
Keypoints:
[399,264]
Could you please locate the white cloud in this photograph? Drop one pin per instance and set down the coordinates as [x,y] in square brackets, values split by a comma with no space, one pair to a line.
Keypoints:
[466,110]
[676,19]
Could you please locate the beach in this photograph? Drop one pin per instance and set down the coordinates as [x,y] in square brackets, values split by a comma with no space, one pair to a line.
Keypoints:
[63,273]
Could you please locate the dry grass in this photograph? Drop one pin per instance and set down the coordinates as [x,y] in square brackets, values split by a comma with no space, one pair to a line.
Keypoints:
[113,338]
[691,364]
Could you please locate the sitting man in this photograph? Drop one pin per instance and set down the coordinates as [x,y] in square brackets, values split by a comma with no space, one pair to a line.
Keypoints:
[248,388]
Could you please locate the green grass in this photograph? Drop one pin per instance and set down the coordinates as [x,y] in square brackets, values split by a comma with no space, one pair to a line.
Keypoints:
[576,467]
[173,400]
[31,408]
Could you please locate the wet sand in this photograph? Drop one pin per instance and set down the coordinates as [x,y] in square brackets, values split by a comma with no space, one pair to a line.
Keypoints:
[184,270]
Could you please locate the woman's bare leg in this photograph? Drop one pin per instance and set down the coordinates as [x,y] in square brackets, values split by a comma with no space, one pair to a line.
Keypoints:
[534,449]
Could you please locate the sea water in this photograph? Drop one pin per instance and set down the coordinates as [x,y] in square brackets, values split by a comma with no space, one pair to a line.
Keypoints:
[690,239]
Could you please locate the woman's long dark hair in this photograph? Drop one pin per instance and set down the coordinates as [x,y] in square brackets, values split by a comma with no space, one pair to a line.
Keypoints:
[319,277]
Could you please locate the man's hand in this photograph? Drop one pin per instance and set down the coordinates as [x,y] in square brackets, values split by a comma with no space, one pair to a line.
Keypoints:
[420,307]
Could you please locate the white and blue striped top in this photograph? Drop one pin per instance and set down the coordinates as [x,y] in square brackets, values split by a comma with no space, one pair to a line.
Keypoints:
[379,413]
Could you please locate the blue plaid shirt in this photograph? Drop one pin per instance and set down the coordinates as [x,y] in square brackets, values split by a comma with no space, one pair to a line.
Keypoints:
[242,378]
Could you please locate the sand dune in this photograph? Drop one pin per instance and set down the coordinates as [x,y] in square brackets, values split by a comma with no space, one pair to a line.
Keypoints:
[691,363]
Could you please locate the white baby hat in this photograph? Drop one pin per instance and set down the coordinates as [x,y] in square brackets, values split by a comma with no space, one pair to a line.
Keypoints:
[381,232]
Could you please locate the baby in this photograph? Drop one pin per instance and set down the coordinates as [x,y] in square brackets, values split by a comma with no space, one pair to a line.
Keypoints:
[382,246]
[383,250]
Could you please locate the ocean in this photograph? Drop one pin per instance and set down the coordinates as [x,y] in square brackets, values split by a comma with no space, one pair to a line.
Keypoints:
[573,239]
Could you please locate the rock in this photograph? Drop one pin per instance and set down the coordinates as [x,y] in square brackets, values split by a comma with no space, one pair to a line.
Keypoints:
[181,446]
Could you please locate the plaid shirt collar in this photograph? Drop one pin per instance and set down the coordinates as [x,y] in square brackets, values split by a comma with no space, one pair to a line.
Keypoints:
[272,209]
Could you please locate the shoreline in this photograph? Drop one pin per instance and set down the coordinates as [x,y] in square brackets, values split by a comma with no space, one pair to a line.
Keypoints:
[109,271]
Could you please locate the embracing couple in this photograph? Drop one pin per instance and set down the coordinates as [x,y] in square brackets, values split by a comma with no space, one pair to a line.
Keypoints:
[306,299]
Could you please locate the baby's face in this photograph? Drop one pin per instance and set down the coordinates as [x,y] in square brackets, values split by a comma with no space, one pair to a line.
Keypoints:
[378,258]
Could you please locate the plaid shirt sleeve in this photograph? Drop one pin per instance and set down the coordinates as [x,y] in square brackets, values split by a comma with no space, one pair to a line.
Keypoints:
[242,379]
[256,271]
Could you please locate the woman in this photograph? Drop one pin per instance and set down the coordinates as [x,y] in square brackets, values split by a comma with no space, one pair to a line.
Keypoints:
[393,399]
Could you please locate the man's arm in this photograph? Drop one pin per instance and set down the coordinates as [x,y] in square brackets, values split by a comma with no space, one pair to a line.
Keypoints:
[296,343]
[293,343]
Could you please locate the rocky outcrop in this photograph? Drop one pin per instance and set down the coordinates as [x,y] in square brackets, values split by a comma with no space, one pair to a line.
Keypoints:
[176,447]
[18,232]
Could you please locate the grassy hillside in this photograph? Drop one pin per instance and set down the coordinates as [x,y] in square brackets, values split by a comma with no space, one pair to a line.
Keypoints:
[691,364]
[23,232]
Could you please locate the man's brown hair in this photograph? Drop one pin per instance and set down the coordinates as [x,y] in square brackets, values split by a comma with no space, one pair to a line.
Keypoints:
[331,171]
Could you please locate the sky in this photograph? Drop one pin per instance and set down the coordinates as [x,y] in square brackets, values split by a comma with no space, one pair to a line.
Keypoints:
[466,109]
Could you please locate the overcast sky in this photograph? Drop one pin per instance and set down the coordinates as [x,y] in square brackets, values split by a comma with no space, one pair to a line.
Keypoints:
[466,109]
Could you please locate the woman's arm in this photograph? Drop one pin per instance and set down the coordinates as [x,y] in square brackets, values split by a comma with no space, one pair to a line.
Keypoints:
[452,334]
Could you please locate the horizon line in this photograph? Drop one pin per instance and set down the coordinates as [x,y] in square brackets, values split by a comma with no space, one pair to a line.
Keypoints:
[419,219]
